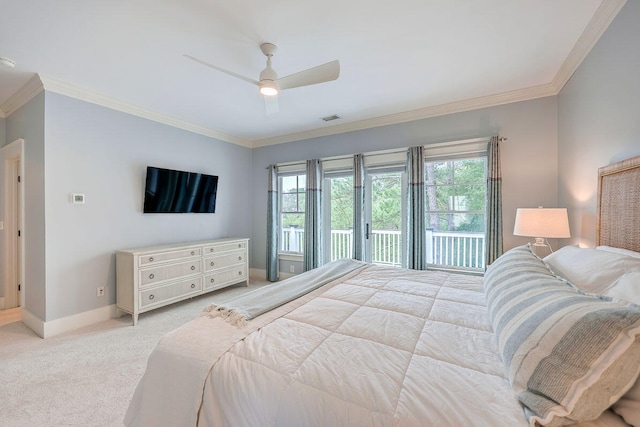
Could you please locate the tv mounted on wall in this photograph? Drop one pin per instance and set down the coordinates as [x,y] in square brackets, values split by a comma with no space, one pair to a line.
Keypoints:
[172,191]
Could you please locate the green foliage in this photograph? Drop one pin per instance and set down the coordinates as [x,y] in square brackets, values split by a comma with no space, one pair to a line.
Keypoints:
[455,198]
[458,186]
[386,201]
[342,203]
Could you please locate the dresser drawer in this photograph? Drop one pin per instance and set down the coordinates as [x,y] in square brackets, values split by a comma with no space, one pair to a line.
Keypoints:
[165,293]
[154,258]
[154,275]
[221,278]
[225,260]
[214,249]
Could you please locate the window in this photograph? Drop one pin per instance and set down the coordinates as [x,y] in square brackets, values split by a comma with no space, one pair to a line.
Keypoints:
[292,213]
[456,212]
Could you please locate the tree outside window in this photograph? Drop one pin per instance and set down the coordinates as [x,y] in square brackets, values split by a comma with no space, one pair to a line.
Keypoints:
[292,202]
[456,211]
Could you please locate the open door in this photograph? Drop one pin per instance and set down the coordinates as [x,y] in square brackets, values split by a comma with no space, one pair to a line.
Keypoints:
[12,156]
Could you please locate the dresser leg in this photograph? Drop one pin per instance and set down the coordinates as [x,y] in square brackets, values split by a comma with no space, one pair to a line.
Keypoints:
[135,319]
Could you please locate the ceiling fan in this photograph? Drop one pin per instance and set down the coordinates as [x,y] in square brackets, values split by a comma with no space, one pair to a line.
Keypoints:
[269,83]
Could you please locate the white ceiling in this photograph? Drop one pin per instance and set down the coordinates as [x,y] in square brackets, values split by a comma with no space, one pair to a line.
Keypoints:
[400,60]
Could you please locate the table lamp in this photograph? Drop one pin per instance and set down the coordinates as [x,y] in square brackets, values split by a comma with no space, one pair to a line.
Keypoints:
[542,223]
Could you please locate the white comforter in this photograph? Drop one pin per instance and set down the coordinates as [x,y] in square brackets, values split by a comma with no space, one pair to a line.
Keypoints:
[384,346]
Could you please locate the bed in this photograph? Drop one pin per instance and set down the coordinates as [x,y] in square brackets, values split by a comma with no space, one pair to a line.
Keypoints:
[375,346]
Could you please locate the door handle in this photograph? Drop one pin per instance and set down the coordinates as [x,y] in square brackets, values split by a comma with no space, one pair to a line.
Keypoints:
[366,232]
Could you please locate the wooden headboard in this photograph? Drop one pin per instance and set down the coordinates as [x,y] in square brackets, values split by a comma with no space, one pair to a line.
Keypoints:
[618,215]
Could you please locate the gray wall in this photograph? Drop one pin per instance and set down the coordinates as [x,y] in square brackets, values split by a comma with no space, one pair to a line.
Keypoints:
[3,132]
[77,147]
[28,123]
[529,160]
[103,154]
[599,119]
[3,142]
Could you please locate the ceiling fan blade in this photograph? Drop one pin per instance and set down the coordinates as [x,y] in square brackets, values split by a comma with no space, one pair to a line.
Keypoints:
[271,104]
[215,67]
[320,74]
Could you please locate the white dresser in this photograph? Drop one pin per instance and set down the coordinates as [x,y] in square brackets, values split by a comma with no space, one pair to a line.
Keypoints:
[155,276]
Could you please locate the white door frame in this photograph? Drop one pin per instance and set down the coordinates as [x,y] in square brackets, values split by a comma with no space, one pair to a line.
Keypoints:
[368,208]
[13,163]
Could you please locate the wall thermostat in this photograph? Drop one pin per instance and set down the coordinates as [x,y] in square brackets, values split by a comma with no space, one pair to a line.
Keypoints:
[77,198]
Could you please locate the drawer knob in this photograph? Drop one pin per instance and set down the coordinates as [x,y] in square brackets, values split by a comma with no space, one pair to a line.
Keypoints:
[212,280]
[211,250]
[151,276]
[193,285]
[239,245]
[211,263]
[239,258]
[239,273]
[193,252]
[193,267]
[150,259]
[151,296]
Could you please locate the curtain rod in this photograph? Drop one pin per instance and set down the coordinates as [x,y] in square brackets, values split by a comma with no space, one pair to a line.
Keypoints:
[392,150]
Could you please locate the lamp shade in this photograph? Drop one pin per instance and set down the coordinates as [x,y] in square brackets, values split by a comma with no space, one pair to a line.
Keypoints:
[542,222]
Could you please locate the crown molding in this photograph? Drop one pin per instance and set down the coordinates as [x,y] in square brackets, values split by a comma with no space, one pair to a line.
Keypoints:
[25,94]
[599,23]
[63,88]
[419,114]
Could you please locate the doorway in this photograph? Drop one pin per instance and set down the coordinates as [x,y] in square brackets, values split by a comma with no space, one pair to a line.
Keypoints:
[12,225]
[385,225]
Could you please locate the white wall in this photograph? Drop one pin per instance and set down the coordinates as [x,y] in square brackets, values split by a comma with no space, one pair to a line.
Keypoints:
[529,156]
[599,119]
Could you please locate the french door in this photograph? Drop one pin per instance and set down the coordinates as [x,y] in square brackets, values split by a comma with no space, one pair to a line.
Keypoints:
[385,219]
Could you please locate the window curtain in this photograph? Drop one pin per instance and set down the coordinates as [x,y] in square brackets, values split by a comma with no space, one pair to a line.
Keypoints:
[313,217]
[494,202]
[272,224]
[358,207]
[416,239]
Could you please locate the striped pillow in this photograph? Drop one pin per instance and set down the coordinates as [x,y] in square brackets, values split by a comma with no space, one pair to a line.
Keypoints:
[569,355]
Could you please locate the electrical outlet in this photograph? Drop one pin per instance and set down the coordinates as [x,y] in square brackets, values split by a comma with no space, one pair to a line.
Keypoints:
[292,269]
[100,291]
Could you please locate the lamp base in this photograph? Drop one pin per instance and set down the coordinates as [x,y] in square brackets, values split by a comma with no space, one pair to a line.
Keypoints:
[542,241]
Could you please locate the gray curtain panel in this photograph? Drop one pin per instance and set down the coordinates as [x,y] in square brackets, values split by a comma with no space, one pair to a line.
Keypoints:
[494,202]
[416,247]
[313,216]
[273,229]
[358,207]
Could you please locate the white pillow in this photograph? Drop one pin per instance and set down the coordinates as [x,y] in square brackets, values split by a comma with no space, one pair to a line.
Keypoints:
[628,406]
[626,288]
[590,269]
[619,251]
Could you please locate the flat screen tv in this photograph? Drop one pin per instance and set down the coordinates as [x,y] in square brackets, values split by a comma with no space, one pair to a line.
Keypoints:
[172,191]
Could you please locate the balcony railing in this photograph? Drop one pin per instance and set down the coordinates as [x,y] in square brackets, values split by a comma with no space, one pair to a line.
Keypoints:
[447,249]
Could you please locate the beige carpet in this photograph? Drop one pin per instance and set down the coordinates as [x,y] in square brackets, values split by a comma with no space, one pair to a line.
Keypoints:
[85,377]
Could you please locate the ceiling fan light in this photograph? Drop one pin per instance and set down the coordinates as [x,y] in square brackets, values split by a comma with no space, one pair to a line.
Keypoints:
[268,88]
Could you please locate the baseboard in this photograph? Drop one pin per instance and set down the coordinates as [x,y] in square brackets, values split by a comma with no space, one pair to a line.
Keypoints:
[1,303]
[69,323]
[260,273]
[32,321]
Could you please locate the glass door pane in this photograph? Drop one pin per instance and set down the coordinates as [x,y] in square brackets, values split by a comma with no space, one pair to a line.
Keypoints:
[386,219]
[455,205]
[338,218]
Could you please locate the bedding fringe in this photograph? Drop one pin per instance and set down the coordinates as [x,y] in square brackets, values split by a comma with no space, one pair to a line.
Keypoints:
[227,314]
